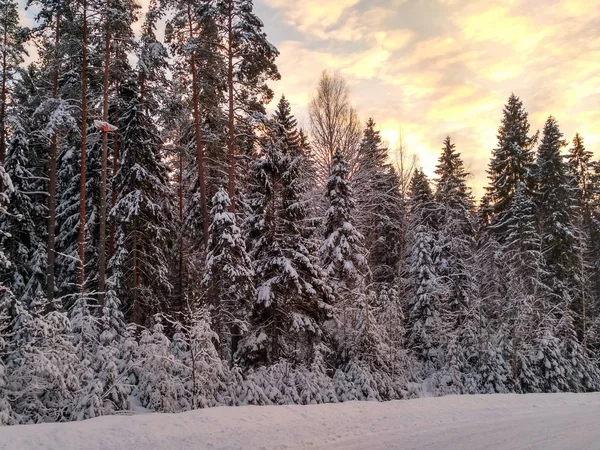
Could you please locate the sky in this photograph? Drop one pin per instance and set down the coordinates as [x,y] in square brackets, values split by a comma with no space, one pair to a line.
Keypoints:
[424,69]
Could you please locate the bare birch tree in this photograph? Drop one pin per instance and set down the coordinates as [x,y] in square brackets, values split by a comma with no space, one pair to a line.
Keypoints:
[334,124]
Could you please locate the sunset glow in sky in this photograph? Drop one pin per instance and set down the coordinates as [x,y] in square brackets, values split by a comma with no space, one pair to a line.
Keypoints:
[427,68]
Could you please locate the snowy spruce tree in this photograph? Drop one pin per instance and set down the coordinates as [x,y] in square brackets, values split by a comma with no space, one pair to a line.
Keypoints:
[160,387]
[41,364]
[379,212]
[364,364]
[343,256]
[512,163]
[205,376]
[556,213]
[142,216]
[463,318]
[454,205]
[525,304]
[228,278]
[426,303]
[510,171]
[593,331]
[580,165]
[581,171]
[279,294]
[293,300]
[7,300]
[23,226]
[561,244]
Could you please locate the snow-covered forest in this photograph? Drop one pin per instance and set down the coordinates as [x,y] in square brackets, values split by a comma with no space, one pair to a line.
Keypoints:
[168,244]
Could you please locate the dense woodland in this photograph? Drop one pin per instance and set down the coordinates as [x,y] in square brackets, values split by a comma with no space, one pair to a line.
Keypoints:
[207,252]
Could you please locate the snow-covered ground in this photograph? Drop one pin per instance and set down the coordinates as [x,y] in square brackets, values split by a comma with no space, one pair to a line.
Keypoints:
[545,421]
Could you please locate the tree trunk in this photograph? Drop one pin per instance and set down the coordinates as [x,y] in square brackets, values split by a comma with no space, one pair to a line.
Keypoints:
[3,95]
[231,122]
[82,167]
[113,199]
[180,193]
[50,272]
[102,244]
[198,137]
[142,85]
[137,310]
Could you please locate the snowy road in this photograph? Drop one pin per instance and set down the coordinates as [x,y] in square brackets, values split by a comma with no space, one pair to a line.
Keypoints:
[546,422]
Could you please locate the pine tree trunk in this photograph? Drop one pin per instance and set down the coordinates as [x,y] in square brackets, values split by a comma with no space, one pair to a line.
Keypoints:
[115,167]
[583,281]
[180,193]
[50,270]
[102,243]
[198,136]
[513,361]
[236,336]
[231,123]
[3,95]
[113,199]
[142,86]
[137,310]
[82,168]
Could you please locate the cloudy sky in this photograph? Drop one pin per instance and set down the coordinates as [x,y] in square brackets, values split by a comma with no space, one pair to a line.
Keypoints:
[428,68]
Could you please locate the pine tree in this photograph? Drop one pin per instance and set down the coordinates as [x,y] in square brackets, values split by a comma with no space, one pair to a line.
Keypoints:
[153,60]
[67,221]
[451,184]
[422,202]
[118,17]
[250,61]
[58,37]
[189,242]
[12,56]
[184,32]
[93,194]
[372,158]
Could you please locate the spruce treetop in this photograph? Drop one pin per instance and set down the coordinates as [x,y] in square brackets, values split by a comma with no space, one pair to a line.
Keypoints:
[452,177]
